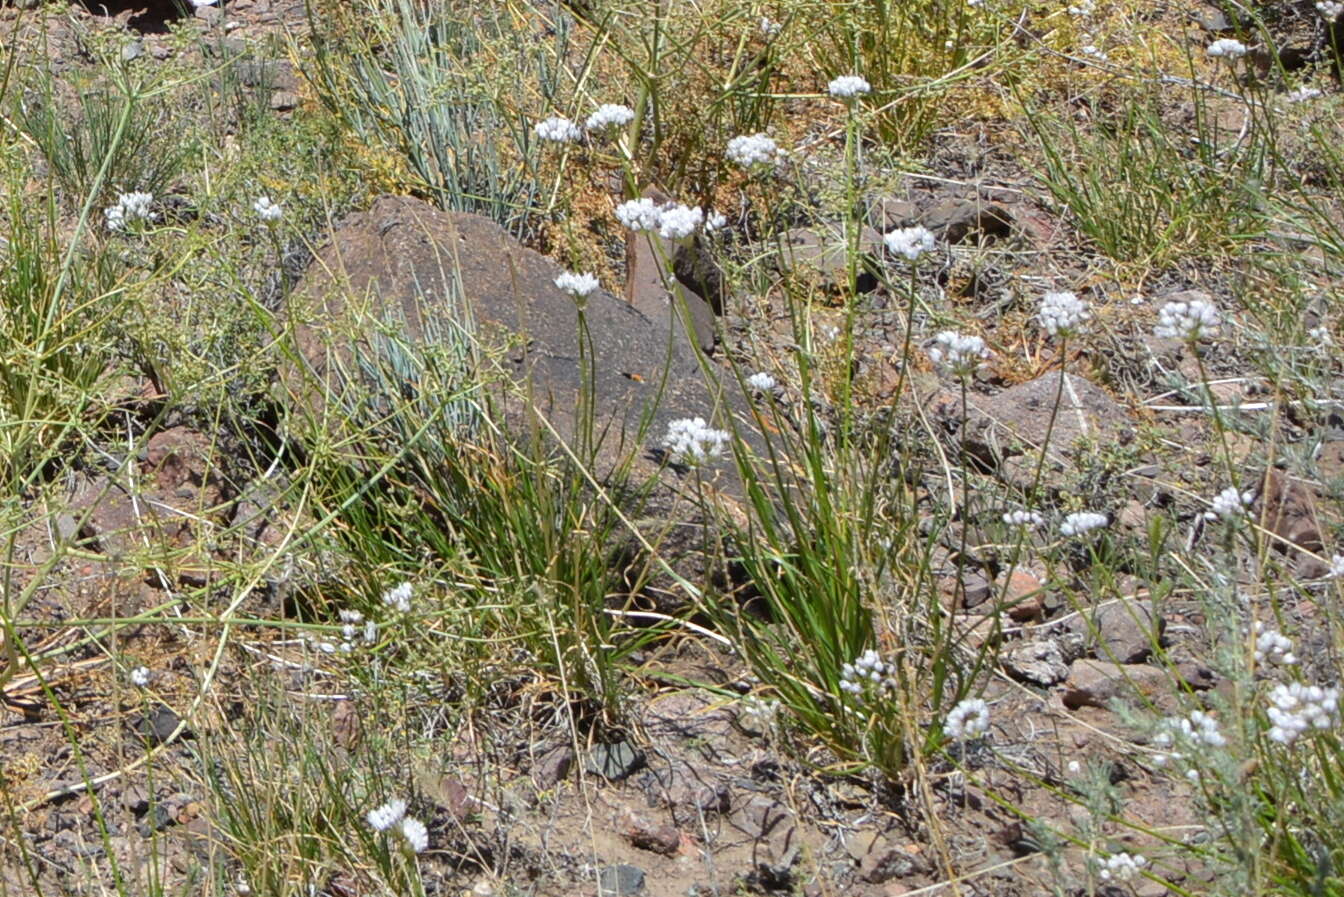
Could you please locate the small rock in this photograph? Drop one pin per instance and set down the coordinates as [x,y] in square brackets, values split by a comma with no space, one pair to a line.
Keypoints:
[643,833]
[284,100]
[623,880]
[553,767]
[1024,596]
[1039,661]
[824,252]
[880,859]
[134,50]
[1120,631]
[135,799]
[957,220]
[614,762]
[1289,511]
[1094,683]
[158,725]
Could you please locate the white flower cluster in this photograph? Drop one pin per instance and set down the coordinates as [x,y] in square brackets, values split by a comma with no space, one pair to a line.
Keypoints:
[692,441]
[128,208]
[1302,94]
[1330,10]
[962,354]
[847,87]
[1083,9]
[1272,646]
[969,719]
[1196,319]
[266,210]
[1095,52]
[1063,314]
[769,27]
[140,677]
[672,221]
[576,285]
[557,129]
[1199,730]
[1080,522]
[911,242]
[393,813]
[1023,518]
[762,382]
[1295,709]
[1121,867]
[868,671]
[610,115]
[1227,48]
[351,629]
[1229,503]
[399,598]
[748,150]
[1336,567]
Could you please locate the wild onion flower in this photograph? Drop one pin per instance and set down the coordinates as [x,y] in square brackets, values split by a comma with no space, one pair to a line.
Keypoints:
[639,214]
[350,620]
[389,814]
[129,208]
[1272,646]
[1023,518]
[1227,48]
[1121,867]
[1190,321]
[140,677]
[1081,522]
[266,210]
[752,150]
[577,285]
[1296,709]
[867,673]
[680,221]
[848,87]
[1084,9]
[1229,503]
[1330,10]
[557,129]
[610,115]
[911,242]
[399,598]
[1063,314]
[370,631]
[762,382]
[1095,52]
[769,27]
[692,441]
[714,220]
[1336,567]
[969,719]
[415,833]
[960,353]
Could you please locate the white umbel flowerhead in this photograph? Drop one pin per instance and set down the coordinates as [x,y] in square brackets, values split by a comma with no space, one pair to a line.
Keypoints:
[867,672]
[969,719]
[1229,503]
[389,814]
[557,129]
[1023,518]
[1330,10]
[691,441]
[752,150]
[1081,522]
[762,382]
[577,285]
[1272,646]
[680,221]
[610,115]
[1188,320]
[140,677]
[1226,48]
[639,214]
[1296,709]
[266,210]
[1336,570]
[1121,867]
[129,208]
[417,837]
[1063,314]
[769,27]
[958,352]
[399,597]
[911,242]
[848,87]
